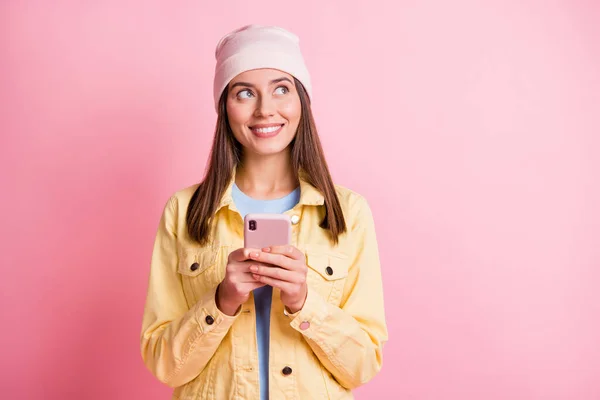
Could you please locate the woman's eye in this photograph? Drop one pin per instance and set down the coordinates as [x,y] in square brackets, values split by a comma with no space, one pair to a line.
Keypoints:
[281,90]
[244,94]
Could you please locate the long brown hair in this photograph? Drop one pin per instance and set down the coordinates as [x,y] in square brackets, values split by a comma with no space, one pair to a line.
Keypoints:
[307,155]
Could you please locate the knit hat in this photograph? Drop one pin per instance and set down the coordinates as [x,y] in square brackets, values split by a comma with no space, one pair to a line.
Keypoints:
[256,46]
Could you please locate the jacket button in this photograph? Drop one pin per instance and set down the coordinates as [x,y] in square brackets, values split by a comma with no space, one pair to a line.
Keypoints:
[295,219]
[286,371]
[209,320]
[194,266]
[304,325]
[329,270]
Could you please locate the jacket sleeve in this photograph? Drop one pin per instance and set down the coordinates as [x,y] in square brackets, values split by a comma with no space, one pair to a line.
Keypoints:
[176,341]
[349,339]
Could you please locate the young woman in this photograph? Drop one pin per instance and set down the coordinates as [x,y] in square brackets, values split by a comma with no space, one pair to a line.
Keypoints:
[304,321]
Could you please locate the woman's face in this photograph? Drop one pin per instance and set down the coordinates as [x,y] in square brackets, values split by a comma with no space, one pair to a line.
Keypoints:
[264,110]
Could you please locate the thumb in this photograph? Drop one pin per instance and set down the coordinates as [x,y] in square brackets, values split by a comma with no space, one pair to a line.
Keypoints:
[241,254]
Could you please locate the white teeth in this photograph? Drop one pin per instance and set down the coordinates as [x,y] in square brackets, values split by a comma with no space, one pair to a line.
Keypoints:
[267,130]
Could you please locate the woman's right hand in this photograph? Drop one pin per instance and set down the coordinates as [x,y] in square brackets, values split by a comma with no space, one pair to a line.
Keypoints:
[235,288]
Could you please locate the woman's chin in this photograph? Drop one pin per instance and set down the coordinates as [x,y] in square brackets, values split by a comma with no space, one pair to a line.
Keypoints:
[267,149]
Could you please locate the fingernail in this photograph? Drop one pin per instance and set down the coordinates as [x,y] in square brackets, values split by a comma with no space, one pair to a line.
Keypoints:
[255,276]
[253,268]
[266,249]
[255,255]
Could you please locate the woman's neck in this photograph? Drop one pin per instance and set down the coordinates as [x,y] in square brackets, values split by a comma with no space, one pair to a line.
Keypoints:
[266,177]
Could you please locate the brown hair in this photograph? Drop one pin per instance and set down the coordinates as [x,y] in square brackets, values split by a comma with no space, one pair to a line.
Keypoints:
[307,155]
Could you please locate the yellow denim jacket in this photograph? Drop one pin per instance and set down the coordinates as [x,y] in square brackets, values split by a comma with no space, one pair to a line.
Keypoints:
[332,345]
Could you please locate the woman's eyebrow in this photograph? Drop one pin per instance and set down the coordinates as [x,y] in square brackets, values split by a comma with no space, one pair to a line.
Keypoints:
[280,80]
[274,81]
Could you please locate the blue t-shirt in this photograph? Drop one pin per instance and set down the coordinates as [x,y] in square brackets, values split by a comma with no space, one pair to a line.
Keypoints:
[262,296]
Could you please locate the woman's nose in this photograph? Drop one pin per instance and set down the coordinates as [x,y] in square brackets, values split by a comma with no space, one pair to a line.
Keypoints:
[265,107]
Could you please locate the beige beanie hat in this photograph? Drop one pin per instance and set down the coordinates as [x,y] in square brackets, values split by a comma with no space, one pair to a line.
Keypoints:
[256,46]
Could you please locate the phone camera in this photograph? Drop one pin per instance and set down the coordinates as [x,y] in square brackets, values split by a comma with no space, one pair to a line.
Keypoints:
[252,225]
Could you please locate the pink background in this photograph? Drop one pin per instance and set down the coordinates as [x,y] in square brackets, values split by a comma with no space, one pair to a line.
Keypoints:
[473,130]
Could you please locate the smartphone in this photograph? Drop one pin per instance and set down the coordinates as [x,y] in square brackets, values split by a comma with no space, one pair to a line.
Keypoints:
[266,230]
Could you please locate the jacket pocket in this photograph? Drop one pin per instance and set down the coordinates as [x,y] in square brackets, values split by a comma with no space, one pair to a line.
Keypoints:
[327,273]
[200,270]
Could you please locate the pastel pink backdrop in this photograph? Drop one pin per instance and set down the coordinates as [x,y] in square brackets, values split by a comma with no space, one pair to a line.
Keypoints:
[473,130]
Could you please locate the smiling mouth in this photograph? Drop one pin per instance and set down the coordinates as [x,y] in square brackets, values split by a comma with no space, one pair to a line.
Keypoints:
[266,130]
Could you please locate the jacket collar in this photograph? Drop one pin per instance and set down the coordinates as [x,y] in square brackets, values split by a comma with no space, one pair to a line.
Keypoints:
[309,195]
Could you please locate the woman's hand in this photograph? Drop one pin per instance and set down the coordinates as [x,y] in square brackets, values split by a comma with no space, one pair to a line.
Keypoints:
[287,272]
[235,288]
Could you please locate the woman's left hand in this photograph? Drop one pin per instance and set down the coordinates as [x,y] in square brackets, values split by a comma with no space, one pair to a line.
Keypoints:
[287,273]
